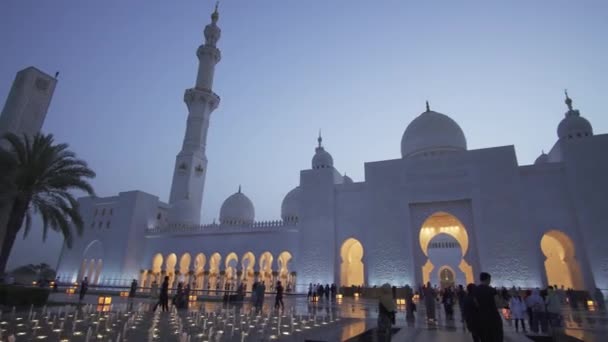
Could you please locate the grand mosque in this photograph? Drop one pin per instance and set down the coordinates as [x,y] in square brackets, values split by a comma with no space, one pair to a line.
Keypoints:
[440,213]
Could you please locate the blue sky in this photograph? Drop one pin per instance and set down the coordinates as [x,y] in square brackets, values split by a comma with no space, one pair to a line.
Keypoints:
[359,70]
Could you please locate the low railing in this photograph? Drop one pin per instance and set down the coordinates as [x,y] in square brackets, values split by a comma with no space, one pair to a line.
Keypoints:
[214,228]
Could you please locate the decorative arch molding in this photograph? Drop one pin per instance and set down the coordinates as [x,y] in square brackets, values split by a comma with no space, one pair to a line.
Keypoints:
[561,264]
[352,268]
[442,222]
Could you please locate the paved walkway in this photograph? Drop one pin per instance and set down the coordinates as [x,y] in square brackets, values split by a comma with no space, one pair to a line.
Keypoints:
[349,318]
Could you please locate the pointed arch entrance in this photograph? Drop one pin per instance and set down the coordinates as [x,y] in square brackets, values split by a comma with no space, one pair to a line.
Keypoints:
[442,223]
[561,265]
[352,269]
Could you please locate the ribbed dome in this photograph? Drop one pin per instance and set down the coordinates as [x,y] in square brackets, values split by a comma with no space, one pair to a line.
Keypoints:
[237,210]
[542,159]
[432,132]
[290,208]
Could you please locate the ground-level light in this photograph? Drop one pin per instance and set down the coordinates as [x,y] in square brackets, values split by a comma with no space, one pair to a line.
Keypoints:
[104,300]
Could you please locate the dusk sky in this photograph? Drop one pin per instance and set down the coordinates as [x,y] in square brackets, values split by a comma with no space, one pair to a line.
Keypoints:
[358,70]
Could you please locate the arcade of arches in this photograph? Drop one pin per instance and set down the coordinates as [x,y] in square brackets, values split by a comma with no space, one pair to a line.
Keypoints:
[215,274]
[90,269]
[560,264]
[438,224]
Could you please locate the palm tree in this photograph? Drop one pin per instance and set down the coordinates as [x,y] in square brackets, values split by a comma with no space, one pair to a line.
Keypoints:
[40,271]
[45,173]
[7,182]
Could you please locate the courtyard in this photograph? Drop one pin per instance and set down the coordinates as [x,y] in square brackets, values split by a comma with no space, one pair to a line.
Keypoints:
[348,319]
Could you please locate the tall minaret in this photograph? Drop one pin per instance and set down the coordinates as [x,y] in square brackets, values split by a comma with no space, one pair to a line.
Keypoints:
[191,162]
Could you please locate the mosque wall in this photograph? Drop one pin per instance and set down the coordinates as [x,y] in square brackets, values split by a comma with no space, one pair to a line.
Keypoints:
[503,249]
[351,221]
[317,238]
[547,205]
[587,181]
[386,239]
[112,237]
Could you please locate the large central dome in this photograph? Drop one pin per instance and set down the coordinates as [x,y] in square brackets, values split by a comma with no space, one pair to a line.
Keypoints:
[432,133]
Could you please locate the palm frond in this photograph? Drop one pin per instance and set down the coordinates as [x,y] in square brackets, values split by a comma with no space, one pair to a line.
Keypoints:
[46,174]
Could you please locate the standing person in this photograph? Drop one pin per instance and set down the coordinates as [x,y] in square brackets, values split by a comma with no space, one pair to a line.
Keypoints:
[448,303]
[261,291]
[553,305]
[278,299]
[309,291]
[461,295]
[386,313]
[536,309]
[164,295]
[429,301]
[133,289]
[410,307]
[187,291]
[489,318]
[334,291]
[598,296]
[254,293]
[471,313]
[84,287]
[55,284]
[154,289]
[326,290]
[518,311]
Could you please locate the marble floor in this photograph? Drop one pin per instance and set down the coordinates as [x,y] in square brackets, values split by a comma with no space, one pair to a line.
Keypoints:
[322,321]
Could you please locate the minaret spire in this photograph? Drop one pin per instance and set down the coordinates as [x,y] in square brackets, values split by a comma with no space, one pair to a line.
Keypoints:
[320,139]
[191,162]
[568,100]
[428,108]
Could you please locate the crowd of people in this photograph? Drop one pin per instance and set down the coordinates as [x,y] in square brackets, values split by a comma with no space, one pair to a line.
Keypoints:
[481,306]
[318,291]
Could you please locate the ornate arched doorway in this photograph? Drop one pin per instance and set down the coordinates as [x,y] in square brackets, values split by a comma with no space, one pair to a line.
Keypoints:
[214,271]
[230,277]
[447,277]
[352,269]
[199,270]
[170,268]
[447,225]
[561,264]
[266,268]
[283,269]
[248,264]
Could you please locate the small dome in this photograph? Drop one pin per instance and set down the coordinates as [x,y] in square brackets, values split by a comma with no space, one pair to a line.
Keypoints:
[322,159]
[542,159]
[432,132]
[237,210]
[347,180]
[290,208]
[573,125]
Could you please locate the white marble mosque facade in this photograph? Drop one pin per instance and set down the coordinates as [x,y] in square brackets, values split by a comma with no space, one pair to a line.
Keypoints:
[440,211]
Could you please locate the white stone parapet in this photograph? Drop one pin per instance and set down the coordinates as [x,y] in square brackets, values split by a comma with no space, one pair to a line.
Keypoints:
[215,228]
